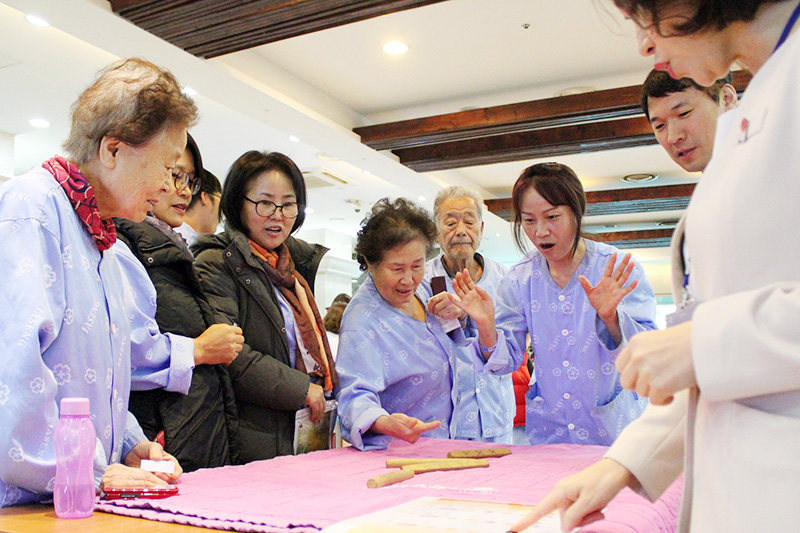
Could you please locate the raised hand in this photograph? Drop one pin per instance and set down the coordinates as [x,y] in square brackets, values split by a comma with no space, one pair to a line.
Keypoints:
[472,299]
[403,427]
[609,292]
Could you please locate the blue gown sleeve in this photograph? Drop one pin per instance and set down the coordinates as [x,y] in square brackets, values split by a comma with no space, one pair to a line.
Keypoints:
[158,360]
[361,380]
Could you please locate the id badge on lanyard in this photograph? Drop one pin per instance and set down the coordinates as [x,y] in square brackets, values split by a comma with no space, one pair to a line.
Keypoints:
[688,304]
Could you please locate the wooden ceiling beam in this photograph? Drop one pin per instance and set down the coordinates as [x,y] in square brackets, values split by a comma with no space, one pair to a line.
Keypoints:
[211,28]
[629,200]
[536,144]
[511,122]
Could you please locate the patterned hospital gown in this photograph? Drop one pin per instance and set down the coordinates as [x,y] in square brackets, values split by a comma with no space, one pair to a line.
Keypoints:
[389,363]
[65,331]
[577,397]
[484,405]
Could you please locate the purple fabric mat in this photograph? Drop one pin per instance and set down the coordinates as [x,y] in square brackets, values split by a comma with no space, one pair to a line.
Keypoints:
[307,493]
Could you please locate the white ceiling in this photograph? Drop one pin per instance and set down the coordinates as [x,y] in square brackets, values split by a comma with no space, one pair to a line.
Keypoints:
[317,87]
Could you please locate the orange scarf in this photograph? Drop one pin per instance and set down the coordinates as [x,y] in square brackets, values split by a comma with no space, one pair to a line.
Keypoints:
[279,267]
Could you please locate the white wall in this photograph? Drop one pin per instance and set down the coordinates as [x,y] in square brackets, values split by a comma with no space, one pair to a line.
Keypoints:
[6,156]
[337,270]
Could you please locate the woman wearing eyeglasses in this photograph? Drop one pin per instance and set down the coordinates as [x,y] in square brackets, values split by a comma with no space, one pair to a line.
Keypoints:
[258,276]
[189,402]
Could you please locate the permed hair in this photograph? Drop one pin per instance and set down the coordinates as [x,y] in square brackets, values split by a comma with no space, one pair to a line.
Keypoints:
[393,223]
[132,100]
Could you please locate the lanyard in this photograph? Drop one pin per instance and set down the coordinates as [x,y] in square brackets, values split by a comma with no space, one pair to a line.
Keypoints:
[788,28]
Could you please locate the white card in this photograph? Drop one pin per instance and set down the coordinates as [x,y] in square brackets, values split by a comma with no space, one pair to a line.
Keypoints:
[167,467]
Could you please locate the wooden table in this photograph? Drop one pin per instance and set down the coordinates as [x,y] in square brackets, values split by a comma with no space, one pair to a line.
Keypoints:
[43,519]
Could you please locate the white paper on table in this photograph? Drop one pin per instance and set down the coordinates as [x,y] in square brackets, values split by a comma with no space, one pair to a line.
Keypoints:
[446,514]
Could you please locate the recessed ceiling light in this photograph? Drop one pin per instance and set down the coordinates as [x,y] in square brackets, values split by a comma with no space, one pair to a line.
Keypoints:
[569,91]
[640,177]
[188,91]
[307,211]
[39,123]
[421,198]
[294,139]
[496,234]
[395,48]
[36,21]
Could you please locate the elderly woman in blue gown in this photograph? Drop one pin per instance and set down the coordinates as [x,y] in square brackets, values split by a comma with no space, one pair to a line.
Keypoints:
[395,361]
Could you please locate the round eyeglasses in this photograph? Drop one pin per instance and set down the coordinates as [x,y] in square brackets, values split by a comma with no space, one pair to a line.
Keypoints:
[183,179]
[265,208]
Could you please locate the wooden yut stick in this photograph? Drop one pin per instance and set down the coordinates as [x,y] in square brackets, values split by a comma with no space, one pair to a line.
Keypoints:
[479,452]
[445,465]
[400,462]
[388,479]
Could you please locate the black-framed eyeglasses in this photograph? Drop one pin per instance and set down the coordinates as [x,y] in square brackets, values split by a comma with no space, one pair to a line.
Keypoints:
[183,179]
[265,208]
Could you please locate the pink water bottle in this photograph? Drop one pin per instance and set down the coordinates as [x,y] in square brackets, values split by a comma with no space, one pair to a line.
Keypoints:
[74,442]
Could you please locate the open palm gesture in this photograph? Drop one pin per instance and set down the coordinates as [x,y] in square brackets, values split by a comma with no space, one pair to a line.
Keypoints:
[611,289]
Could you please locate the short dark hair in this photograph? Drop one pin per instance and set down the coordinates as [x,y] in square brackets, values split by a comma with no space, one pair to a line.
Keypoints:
[556,183]
[248,167]
[393,223]
[209,184]
[341,298]
[708,15]
[333,317]
[660,84]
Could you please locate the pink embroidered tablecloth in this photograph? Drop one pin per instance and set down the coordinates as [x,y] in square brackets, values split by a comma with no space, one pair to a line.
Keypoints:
[306,493]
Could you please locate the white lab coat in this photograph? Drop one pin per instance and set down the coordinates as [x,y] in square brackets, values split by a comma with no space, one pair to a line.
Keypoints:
[743,439]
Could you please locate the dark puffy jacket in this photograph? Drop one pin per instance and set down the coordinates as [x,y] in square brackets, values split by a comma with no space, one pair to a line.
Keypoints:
[201,427]
[268,390]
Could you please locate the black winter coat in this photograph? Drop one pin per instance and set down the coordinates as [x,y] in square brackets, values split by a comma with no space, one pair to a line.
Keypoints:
[268,390]
[201,427]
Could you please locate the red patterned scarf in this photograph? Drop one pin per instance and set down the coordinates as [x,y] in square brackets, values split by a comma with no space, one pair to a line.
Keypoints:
[81,196]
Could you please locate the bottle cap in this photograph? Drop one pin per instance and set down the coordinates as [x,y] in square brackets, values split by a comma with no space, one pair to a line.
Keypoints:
[74,406]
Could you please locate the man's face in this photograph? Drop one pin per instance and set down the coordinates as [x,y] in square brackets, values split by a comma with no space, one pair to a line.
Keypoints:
[685,124]
[460,228]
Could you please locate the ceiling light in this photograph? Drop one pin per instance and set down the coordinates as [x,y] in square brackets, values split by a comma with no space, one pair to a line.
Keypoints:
[640,177]
[39,123]
[36,21]
[421,198]
[569,91]
[294,139]
[395,48]
[307,211]
[496,234]
[188,91]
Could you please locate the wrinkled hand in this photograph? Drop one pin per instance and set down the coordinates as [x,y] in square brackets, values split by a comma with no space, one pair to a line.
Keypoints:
[403,426]
[473,300]
[315,400]
[581,497]
[443,306]
[129,475]
[610,290]
[657,364]
[220,343]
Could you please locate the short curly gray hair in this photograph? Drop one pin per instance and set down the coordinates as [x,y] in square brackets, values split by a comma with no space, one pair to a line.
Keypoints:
[456,191]
[131,100]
